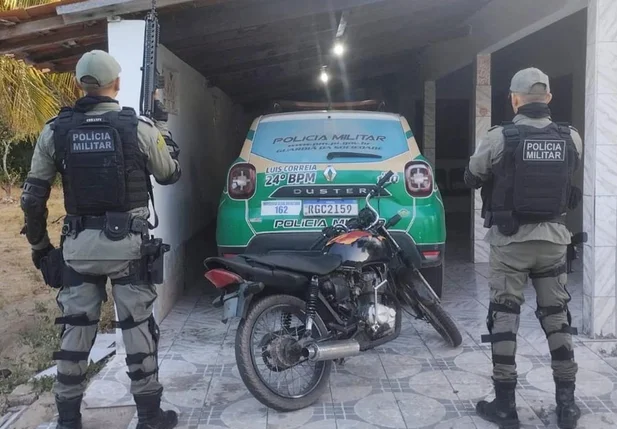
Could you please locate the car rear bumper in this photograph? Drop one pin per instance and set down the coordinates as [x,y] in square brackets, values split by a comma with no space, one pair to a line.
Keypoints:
[301,242]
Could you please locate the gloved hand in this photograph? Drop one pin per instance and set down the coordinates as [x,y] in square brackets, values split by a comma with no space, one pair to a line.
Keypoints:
[471,180]
[37,255]
[159,114]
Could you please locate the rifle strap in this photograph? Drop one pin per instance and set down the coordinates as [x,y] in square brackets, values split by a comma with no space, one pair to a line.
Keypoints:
[151,193]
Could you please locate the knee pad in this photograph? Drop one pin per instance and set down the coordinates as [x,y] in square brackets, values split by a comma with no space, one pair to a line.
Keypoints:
[138,358]
[80,320]
[508,307]
[543,312]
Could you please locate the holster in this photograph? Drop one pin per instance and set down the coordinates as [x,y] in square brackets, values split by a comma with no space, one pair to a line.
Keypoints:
[52,268]
[152,252]
[506,222]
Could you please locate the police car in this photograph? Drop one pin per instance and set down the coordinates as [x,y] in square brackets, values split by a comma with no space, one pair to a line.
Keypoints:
[303,170]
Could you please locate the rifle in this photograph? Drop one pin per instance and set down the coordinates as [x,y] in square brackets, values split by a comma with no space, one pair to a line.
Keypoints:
[151,79]
[572,253]
[487,194]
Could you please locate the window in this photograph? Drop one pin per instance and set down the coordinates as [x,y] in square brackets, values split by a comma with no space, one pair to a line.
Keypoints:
[333,139]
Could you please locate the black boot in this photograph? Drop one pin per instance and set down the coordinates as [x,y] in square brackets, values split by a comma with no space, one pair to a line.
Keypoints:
[69,416]
[150,415]
[502,410]
[567,411]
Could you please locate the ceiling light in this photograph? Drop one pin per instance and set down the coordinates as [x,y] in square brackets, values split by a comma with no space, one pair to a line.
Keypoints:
[339,49]
[324,76]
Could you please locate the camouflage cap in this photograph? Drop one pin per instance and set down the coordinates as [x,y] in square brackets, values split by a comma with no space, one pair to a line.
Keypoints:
[97,69]
[523,82]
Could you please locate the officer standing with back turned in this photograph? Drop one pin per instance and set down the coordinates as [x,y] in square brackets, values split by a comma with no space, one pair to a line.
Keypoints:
[525,169]
[105,155]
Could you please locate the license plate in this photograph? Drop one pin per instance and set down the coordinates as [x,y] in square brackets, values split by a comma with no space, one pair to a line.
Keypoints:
[281,208]
[330,208]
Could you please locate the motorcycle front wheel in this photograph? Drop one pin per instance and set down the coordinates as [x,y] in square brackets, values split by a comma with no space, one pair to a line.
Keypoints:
[431,311]
[442,322]
[268,358]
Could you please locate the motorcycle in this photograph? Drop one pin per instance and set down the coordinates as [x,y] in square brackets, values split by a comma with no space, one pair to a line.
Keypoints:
[299,313]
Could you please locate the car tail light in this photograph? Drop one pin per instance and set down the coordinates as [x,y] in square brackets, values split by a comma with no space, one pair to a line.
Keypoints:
[431,255]
[241,181]
[418,179]
[221,278]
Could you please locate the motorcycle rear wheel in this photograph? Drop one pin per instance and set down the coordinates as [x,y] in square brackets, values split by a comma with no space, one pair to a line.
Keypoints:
[247,359]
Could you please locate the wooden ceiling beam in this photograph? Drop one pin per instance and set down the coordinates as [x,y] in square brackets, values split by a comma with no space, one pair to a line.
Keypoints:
[62,36]
[230,17]
[65,54]
[32,27]
[89,11]
[101,9]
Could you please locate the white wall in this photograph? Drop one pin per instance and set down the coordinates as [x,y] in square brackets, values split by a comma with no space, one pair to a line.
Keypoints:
[207,127]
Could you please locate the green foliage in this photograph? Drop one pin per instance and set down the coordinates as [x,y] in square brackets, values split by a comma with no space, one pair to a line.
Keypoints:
[19,375]
[44,340]
[29,96]
[19,4]
[20,158]
[43,384]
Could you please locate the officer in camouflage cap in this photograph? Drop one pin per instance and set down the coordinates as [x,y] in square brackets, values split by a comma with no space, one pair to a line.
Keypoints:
[525,170]
[105,155]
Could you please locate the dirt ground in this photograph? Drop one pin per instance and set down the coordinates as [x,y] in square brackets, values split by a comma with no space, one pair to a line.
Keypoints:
[28,336]
[23,294]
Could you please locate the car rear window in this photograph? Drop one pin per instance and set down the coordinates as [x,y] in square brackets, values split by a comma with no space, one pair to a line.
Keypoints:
[335,140]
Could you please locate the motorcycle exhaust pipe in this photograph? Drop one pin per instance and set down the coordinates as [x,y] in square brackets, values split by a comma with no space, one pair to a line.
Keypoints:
[331,350]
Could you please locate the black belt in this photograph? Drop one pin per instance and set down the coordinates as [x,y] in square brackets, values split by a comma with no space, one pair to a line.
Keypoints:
[76,224]
[488,222]
[559,219]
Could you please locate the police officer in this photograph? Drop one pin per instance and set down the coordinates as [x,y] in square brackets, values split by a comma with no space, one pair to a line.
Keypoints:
[105,155]
[525,169]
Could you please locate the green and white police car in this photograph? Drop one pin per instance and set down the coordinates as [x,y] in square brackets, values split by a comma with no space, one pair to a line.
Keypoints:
[299,172]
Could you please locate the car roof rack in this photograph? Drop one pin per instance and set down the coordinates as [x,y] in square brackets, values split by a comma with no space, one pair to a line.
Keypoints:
[281,106]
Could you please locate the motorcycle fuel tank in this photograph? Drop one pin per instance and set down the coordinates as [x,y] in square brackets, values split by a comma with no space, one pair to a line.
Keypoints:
[358,247]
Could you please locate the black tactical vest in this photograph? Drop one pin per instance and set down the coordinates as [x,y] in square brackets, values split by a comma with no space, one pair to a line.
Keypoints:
[532,181]
[100,161]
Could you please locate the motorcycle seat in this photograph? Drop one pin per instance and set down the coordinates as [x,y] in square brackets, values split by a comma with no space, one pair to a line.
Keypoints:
[318,265]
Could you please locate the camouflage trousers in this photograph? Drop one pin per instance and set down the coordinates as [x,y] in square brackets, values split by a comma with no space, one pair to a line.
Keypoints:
[80,301]
[510,268]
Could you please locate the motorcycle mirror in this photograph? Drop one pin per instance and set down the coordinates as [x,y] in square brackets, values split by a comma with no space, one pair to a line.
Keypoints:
[384,179]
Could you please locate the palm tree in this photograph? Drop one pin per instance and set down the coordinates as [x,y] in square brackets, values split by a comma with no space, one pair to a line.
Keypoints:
[29,97]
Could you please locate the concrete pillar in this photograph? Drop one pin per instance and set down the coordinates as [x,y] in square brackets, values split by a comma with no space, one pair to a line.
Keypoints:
[481,122]
[130,56]
[600,171]
[428,142]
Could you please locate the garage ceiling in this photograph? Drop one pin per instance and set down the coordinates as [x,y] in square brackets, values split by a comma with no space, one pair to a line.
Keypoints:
[255,49]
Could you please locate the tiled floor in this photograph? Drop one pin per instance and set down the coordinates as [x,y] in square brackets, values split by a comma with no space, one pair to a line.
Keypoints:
[413,382]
